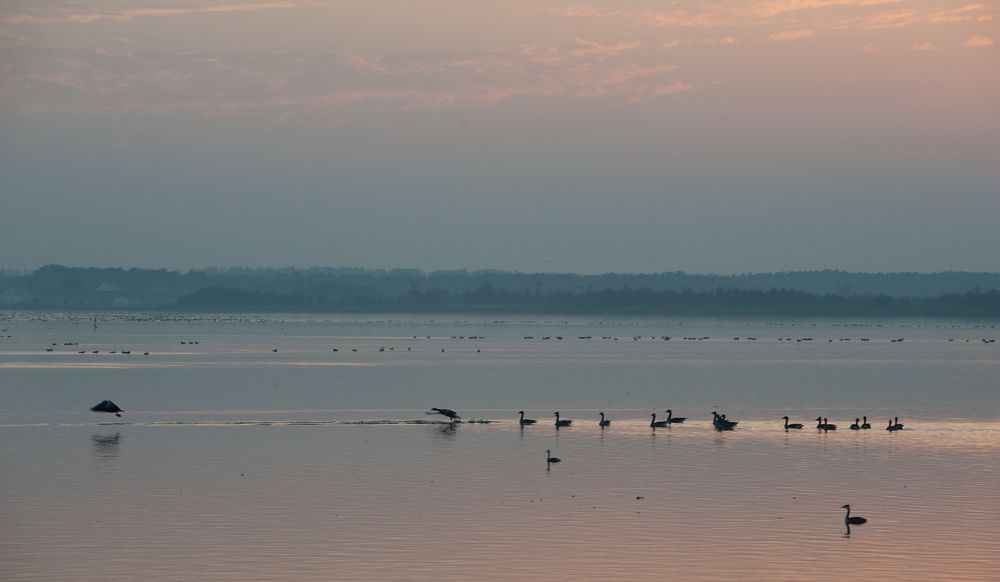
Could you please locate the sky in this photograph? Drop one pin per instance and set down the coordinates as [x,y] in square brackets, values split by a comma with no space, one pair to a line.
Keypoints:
[566,135]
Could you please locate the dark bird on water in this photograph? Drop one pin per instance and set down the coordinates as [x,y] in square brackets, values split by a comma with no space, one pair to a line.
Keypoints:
[549,458]
[447,412]
[603,422]
[671,419]
[526,421]
[852,520]
[108,406]
[658,424]
[561,423]
[794,425]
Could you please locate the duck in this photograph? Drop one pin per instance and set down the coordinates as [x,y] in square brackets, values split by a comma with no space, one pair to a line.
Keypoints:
[661,424]
[603,422]
[561,423]
[852,520]
[795,425]
[671,419]
[865,425]
[549,458]
[857,424]
[525,421]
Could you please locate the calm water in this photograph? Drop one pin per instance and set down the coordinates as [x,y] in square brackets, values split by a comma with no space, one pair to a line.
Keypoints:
[235,461]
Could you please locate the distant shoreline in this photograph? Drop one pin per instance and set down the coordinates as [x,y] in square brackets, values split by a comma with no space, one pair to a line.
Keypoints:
[833,294]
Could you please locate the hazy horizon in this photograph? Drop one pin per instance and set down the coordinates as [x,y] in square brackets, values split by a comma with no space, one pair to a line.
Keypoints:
[630,136]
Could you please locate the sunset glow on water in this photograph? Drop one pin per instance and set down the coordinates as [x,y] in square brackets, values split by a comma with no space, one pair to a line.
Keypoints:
[221,471]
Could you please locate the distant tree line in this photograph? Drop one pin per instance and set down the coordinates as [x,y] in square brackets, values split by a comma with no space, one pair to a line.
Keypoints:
[821,293]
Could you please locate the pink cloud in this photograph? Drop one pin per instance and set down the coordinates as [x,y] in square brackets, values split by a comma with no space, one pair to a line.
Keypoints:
[789,35]
[924,46]
[588,48]
[977,41]
[133,13]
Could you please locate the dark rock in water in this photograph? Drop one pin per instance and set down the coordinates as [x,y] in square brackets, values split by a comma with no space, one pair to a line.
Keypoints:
[108,406]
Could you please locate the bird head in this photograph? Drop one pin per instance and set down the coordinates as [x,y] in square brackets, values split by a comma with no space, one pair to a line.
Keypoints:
[845,506]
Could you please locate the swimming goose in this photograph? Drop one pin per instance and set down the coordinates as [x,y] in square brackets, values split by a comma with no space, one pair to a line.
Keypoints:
[525,421]
[721,423]
[560,423]
[654,424]
[671,419]
[865,425]
[857,424]
[603,423]
[896,422]
[793,425]
[549,458]
[852,520]
[822,424]
[891,427]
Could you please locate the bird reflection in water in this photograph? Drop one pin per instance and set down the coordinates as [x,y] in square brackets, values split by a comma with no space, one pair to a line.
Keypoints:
[106,445]
[446,430]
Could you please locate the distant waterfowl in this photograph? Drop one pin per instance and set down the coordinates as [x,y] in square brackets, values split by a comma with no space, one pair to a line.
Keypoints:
[549,458]
[108,406]
[561,423]
[896,422]
[865,425]
[658,424]
[822,424]
[794,425]
[525,421]
[603,422]
[852,520]
[720,422]
[857,424]
[447,412]
[892,426]
[671,419]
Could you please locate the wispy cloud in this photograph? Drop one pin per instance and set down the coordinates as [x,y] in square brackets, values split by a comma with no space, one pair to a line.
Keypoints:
[969,12]
[977,41]
[59,80]
[589,48]
[923,46]
[789,35]
[72,13]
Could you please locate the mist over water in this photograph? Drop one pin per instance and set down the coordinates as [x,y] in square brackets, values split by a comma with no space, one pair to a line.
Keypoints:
[235,461]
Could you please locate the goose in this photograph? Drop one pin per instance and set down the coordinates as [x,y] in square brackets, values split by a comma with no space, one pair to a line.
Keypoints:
[857,424]
[603,422]
[891,427]
[549,458]
[865,425]
[560,423]
[721,423]
[795,425]
[895,421]
[852,520]
[661,424]
[525,421]
[107,406]
[446,412]
[671,419]
[822,424]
